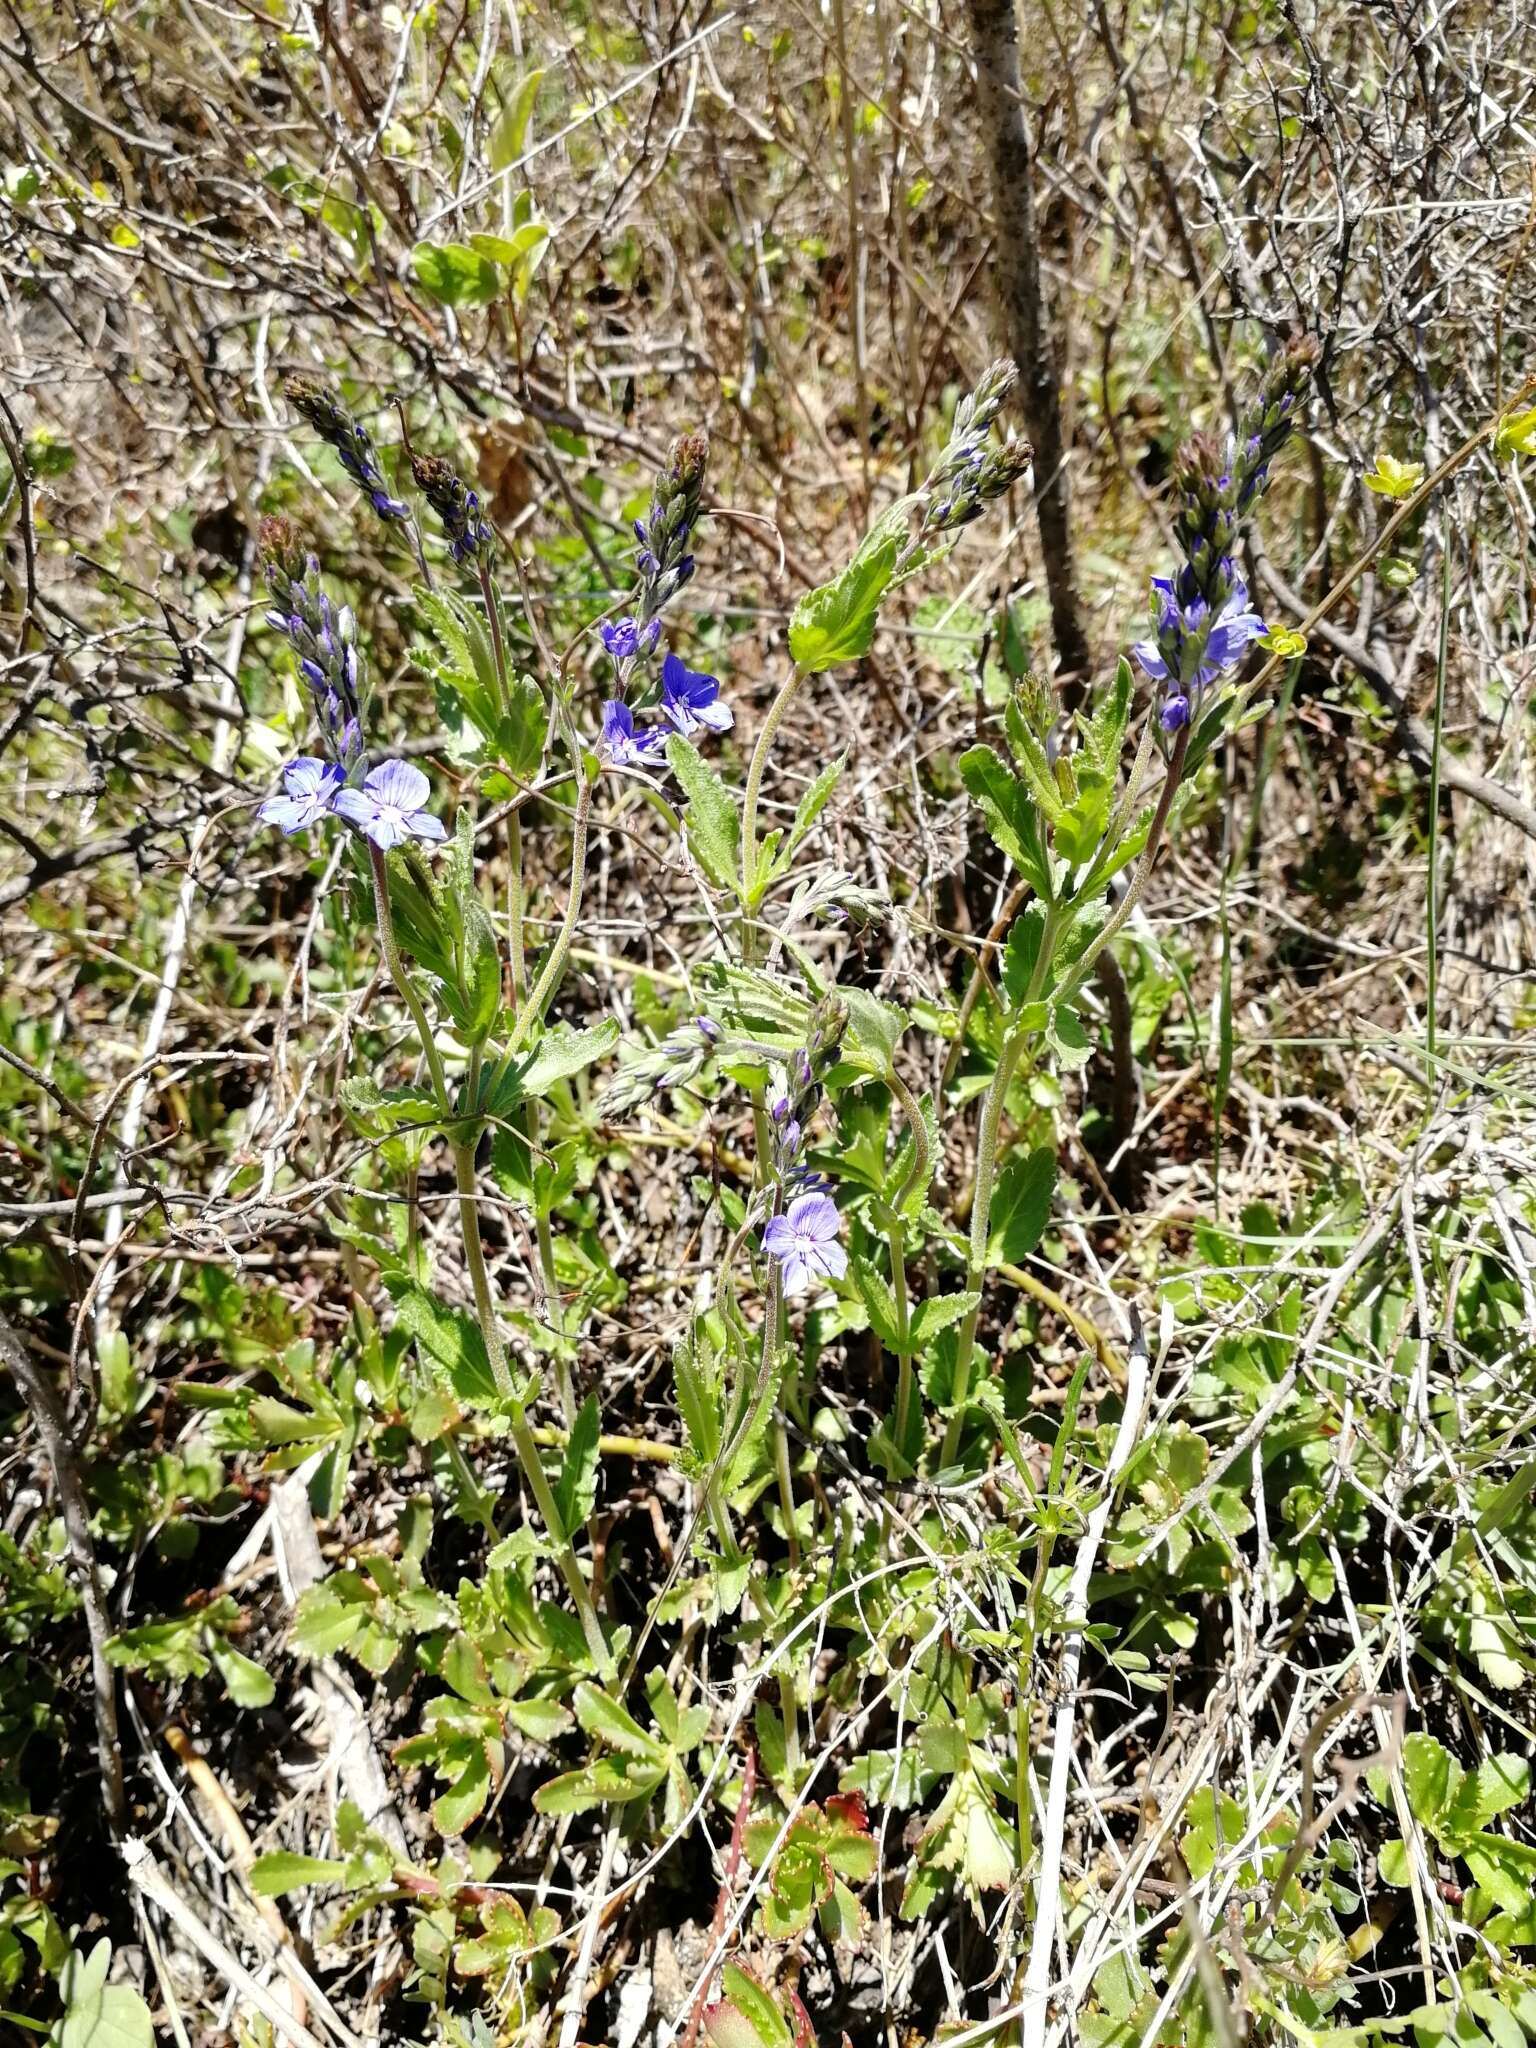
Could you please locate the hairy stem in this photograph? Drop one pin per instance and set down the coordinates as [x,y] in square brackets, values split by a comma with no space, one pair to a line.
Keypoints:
[981,1216]
[463,1149]
[916,1176]
[515,940]
[755,768]
[523,1439]
[400,976]
[532,1012]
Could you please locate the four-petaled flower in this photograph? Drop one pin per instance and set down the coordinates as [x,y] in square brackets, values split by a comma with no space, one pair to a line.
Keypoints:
[388,809]
[804,1239]
[313,787]
[691,699]
[620,742]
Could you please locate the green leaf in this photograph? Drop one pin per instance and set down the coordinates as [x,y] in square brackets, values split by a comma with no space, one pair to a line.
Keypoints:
[1498,1783]
[811,806]
[544,1719]
[1021,1205]
[1028,749]
[562,1053]
[837,622]
[1430,1776]
[1067,1038]
[1394,1865]
[282,1871]
[874,1026]
[1105,731]
[879,1301]
[324,1622]
[510,134]
[1011,817]
[714,830]
[576,1489]
[937,1313]
[755,2006]
[603,1717]
[1021,955]
[244,1679]
[449,1338]
[464,1801]
[1394,479]
[454,275]
[98,2014]
[520,732]
[1516,435]
[611,1781]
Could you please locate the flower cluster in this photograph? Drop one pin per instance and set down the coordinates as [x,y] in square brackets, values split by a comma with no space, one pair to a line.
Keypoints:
[323,638]
[456,505]
[678,1060]
[690,702]
[802,1234]
[1202,621]
[973,469]
[386,803]
[351,440]
[664,563]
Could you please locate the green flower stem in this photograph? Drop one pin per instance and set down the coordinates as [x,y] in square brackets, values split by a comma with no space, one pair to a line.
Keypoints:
[379,863]
[1144,866]
[474,1252]
[786,1483]
[1014,1042]
[532,1012]
[523,1439]
[554,1307]
[896,1237]
[516,944]
[981,1214]
[757,765]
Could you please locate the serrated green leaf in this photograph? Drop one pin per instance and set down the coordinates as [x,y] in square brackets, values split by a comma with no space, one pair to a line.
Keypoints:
[837,622]
[603,1717]
[714,829]
[1021,954]
[450,1340]
[1021,1204]
[576,1489]
[811,806]
[937,1313]
[879,1301]
[1011,817]
[560,1054]
[1067,1038]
